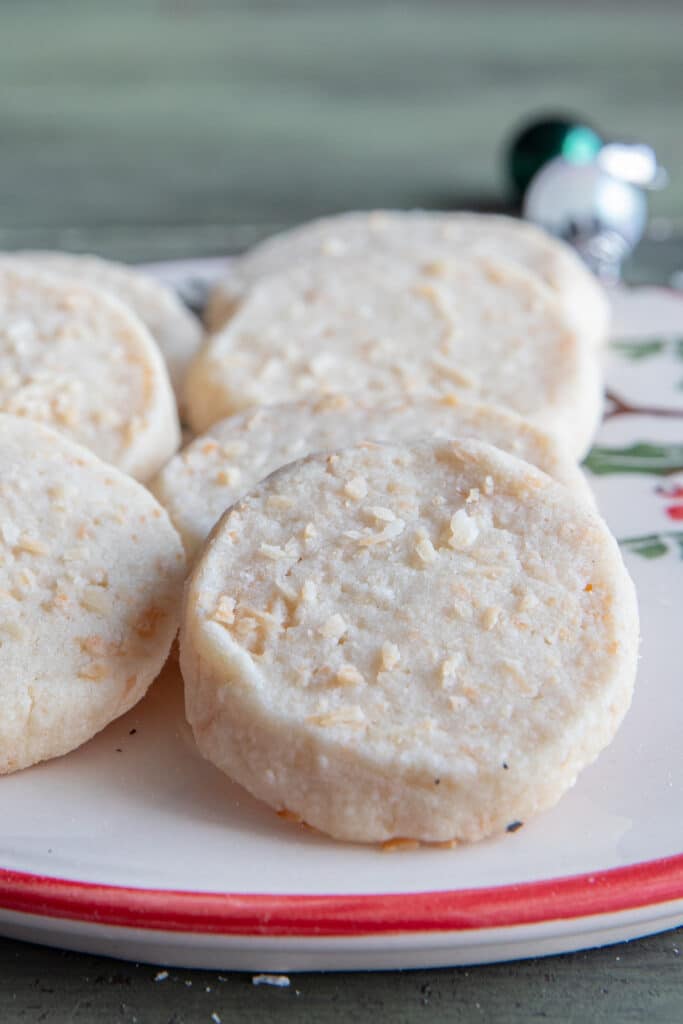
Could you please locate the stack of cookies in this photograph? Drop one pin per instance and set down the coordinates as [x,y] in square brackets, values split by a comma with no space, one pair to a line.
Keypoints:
[404,618]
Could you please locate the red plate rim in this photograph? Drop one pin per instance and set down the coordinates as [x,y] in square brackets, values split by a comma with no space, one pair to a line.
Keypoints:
[645,884]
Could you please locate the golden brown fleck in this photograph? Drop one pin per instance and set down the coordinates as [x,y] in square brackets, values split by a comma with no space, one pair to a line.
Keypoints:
[147,623]
[95,671]
[288,815]
[348,675]
[31,545]
[225,610]
[399,845]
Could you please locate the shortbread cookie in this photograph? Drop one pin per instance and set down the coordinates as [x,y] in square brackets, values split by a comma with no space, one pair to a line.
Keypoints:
[382,326]
[217,468]
[91,573]
[427,642]
[176,331]
[442,234]
[74,357]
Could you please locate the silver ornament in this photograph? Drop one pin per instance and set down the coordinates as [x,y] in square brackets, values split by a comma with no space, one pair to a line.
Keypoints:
[603,216]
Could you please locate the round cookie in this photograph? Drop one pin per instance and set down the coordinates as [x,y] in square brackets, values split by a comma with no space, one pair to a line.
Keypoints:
[75,358]
[91,573]
[197,485]
[176,331]
[424,642]
[381,326]
[403,232]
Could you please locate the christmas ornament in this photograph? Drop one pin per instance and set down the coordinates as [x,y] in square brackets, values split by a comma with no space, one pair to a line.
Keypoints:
[602,216]
[587,191]
[541,141]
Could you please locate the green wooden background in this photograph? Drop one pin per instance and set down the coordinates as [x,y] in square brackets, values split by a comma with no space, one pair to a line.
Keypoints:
[175,127]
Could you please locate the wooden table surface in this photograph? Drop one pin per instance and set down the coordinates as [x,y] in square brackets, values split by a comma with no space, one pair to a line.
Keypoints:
[165,128]
[160,128]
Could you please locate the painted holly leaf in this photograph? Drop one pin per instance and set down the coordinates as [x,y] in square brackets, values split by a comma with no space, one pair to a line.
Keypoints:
[679,355]
[645,348]
[636,350]
[649,547]
[654,545]
[642,457]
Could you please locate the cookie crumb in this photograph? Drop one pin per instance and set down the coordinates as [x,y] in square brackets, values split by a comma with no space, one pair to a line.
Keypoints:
[464,530]
[351,716]
[272,551]
[356,488]
[449,667]
[390,656]
[276,980]
[225,610]
[424,549]
[348,675]
[490,617]
[385,515]
[334,627]
[94,599]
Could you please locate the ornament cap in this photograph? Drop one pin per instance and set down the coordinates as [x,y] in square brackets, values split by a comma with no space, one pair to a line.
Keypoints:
[633,162]
[542,139]
[578,186]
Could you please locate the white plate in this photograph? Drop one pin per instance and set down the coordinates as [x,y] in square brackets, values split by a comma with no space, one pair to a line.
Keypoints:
[135,847]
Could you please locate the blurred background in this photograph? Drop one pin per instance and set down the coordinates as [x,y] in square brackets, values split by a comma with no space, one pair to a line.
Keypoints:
[150,129]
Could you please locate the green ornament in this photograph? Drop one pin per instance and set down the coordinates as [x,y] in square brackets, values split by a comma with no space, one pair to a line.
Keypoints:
[541,141]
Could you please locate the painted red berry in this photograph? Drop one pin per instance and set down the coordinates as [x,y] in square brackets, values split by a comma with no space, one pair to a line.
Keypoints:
[675,512]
